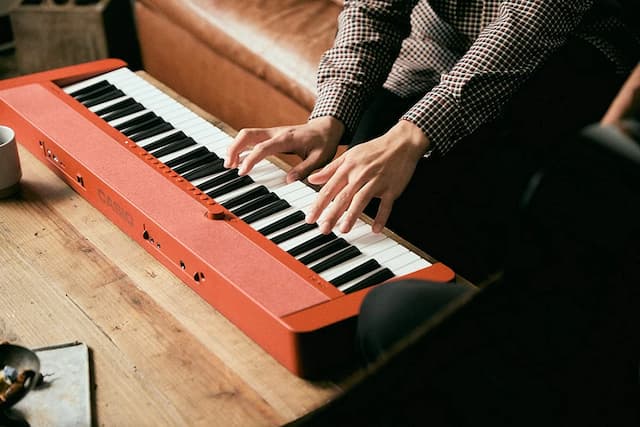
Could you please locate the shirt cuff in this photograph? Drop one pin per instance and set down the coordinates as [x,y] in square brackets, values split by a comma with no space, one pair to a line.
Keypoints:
[342,103]
[439,117]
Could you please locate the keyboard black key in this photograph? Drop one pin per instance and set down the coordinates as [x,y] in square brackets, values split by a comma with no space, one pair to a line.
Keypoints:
[96,93]
[193,154]
[362,269]
[314,242]
[245,197]
[173,147]
[135,121]
[196,162]
[116,106]
[109,96]
[255,204]
[147,124]
[323,251]
[270,209]
[288,220]
[227,176]
[290,234]
[155,130]
[210,168]
[374,279]
[337,259]
[166,140]
[230,186]
[89,88]
[124,111]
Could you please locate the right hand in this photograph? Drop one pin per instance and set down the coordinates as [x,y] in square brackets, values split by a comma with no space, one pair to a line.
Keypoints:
[626,104]
[315,142]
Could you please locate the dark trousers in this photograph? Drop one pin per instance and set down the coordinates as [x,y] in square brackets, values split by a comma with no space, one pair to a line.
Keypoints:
[459,208]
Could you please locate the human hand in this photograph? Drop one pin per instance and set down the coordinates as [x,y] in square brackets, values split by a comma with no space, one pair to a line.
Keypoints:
[316,142]
[380,168]
[626,104]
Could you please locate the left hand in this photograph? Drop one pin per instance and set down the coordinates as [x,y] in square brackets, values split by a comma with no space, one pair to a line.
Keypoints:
[379,168]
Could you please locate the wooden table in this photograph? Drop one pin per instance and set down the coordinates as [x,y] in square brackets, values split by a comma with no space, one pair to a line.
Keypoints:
[160,355]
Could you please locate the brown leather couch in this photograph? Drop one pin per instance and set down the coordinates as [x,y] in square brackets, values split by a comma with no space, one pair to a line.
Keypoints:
[251,63]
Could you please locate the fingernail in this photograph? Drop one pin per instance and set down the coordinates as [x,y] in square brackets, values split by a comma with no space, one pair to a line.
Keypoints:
[325,227]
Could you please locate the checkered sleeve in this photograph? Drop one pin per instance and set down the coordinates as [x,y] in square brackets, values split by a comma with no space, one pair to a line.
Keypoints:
[368,40]
[505,53]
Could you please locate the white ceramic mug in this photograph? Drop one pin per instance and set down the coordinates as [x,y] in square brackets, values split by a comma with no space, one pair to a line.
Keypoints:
[10,171]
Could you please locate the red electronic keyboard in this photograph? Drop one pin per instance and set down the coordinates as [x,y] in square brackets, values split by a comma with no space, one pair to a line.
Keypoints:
[154,168]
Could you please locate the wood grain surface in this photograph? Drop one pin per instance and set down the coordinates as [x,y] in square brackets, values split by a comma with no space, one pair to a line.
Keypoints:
[160,355]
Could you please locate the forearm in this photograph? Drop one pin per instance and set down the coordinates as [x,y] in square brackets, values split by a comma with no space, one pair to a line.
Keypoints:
[368,41]
[506,53]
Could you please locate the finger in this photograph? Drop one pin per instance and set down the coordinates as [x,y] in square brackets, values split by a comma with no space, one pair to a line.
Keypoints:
[259,152]
[243,140]
[322,176]
[382,216]
[303,169]
[351,216]
[280,141]
[326,195]
[336,209]
[359,202]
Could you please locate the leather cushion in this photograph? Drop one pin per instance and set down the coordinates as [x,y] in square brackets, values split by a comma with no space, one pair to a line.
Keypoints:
[278,41]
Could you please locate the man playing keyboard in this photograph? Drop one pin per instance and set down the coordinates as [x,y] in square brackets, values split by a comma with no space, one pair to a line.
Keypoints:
[447,109]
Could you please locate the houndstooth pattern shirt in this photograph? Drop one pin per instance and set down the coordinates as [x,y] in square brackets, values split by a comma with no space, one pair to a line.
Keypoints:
[466,56]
